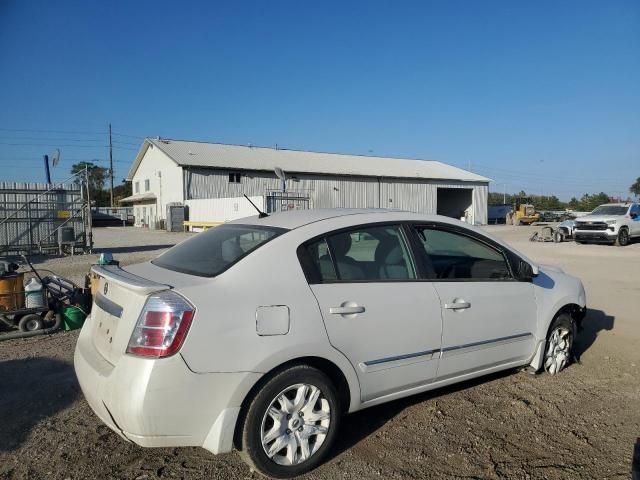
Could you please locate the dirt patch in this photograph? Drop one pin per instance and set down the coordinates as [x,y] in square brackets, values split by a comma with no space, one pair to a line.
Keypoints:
[581,423]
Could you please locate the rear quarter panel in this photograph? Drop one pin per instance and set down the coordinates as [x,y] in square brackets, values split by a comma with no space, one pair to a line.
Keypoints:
[224,337]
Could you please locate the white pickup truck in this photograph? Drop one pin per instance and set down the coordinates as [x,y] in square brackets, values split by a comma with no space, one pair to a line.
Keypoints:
[610,223]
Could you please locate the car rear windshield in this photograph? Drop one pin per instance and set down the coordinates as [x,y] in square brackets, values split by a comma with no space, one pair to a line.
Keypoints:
[610,210]
[212,252]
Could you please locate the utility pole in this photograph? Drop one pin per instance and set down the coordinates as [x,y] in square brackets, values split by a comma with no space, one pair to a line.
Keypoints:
[504,196]
[111,164]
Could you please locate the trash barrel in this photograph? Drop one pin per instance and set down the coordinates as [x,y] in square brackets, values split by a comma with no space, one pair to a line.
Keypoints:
[73,318]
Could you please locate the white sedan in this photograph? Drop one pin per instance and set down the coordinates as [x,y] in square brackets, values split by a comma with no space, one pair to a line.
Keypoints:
[259,334]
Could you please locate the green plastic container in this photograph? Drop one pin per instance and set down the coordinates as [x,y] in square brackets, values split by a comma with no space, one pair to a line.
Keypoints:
[73,318]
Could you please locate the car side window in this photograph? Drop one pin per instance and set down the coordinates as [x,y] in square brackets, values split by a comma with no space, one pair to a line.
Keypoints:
[454,256]
[373,253]
[316,262]
[635,209]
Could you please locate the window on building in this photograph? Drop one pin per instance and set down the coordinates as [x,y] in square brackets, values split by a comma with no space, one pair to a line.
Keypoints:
[234,178]
[147,185]
[136,188]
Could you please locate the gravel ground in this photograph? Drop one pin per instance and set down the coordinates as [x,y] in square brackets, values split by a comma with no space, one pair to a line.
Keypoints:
[581,423]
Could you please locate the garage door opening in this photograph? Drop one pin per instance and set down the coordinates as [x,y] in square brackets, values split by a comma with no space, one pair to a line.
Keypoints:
[456,203]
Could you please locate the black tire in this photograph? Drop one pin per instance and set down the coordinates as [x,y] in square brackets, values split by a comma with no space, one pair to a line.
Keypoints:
[30,323]
[623,238]
[565,323]
[251,449]
[558,237]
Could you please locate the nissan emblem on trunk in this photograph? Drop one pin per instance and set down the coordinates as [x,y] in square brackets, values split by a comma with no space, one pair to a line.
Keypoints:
[106,287]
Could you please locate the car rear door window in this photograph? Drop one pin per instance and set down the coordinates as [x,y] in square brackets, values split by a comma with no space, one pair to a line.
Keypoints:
[372,253]
[212,252]
[451,255]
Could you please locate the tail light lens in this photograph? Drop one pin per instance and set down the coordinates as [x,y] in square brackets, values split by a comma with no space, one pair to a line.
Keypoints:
[162,326]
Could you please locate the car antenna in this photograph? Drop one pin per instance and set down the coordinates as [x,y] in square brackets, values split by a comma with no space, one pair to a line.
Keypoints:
[261,214]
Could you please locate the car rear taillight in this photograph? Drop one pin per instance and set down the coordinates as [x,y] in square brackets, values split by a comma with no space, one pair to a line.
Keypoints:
[162,326]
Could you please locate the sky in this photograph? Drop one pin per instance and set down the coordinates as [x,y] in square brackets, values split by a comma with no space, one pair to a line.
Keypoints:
[539,96]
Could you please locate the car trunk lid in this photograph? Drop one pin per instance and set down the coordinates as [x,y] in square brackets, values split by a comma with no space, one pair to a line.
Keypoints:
[119,299]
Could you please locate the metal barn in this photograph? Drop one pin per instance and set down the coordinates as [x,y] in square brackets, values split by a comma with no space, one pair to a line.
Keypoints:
[211,179]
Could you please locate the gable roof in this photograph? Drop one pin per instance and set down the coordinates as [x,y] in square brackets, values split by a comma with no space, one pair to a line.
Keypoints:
[239,157]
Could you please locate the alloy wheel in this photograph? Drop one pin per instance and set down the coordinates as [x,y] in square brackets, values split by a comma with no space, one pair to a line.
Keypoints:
[296,424]
[558,350]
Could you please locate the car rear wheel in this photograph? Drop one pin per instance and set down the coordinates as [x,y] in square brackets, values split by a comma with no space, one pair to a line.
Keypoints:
[623,238]
[559,348]
[291,423]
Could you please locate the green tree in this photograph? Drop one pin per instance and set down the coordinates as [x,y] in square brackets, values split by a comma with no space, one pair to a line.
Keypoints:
[97,175]
[496,198]
[97,179]
[573,204]
[589,202]
[548,203]
[635,188]
[121,191]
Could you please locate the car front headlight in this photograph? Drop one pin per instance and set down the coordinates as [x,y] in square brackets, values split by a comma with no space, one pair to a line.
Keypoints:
[611,222]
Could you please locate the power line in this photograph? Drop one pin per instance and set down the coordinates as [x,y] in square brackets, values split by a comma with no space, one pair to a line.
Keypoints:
[125,135]
[39,159]
[73,132]
[125,148]
[532,174]
[51,145]
[40,139]
[70,132]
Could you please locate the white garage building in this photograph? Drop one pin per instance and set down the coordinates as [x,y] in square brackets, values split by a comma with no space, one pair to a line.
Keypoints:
[211,179]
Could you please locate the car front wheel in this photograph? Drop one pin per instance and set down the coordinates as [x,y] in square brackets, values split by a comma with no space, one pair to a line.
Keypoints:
[623,238]
[291,423]
[559,348]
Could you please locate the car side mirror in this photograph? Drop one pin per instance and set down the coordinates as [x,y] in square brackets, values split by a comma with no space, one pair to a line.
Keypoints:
[526,272]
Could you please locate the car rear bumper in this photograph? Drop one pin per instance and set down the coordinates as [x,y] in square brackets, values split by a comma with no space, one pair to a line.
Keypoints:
[595,236]
[161,403]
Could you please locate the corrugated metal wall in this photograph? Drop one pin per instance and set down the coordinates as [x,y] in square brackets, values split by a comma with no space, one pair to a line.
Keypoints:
[222,209]
[30,216]
[326,191]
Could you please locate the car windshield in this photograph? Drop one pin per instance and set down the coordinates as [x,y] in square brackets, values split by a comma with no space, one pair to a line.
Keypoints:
[610,210]
[212,252]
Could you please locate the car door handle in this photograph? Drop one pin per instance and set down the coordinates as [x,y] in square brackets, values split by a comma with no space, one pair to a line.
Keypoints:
[457,305]
[346,310]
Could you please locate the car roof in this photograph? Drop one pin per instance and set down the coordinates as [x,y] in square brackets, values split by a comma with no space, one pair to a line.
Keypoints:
[297,218]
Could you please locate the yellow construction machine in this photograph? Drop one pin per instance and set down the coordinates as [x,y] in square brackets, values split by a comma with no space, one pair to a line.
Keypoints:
[522,213]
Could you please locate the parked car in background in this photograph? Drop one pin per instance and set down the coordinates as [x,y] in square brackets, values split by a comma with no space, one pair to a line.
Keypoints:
[610,223]
[566,230]
[262,332]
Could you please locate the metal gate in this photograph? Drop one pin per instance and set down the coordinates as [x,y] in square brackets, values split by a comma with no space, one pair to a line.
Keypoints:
[32,213]
[285,201]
